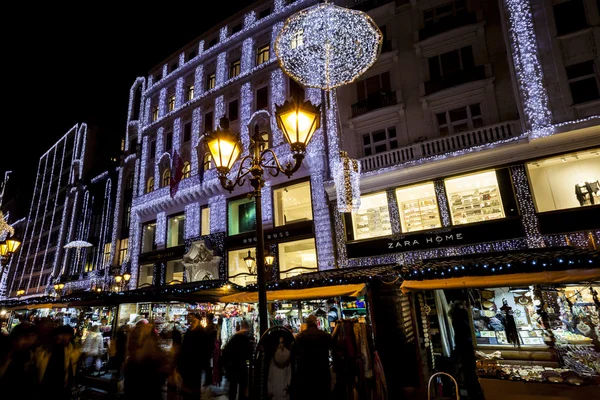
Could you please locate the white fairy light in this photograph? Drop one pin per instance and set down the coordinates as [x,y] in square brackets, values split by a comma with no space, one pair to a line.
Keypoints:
[219,110]
[527,207]
[179,92]
[326,46]
[221,72]
[176,134]
[267,203]
[218,213]
[277,91]
[161,228]
[196,123]
[162,102]
[245,115]
[117,211]
[440,191]
[247,55]
[143,166]
[192,220]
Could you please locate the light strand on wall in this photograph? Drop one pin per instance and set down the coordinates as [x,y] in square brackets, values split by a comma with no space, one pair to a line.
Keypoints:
[219,110]
[277,91]
[143,166]
[176,135]
[161,228]
[196,123]
[245,115]
[218,213]
[117,211]
[440,192]
[179,93]
[160,137]
[267,203]
[393,211]
[192,220]
[162,103]
[340,237]
[527,207]
[221,72]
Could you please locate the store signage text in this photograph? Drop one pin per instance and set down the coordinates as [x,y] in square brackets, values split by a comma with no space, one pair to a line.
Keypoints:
[296,231]
[439,239]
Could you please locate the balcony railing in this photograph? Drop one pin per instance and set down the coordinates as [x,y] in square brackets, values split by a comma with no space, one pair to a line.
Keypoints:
[373,102]
[447,24]
[442,145]
[458,78]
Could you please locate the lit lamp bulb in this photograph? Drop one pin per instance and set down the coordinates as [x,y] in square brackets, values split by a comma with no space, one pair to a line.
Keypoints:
[126,276]
[118,278]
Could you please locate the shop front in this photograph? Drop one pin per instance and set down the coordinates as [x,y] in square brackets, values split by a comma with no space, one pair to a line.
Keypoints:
[533,317]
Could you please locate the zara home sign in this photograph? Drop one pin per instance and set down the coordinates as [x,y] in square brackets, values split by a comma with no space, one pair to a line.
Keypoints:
[442,239]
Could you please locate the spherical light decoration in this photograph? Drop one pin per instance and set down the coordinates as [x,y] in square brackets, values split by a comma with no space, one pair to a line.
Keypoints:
[326,46]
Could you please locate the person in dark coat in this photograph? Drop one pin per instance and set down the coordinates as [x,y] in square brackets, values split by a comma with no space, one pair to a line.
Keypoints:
[236,356]
[312,379]
[17,363]
[210,338]
[189,365]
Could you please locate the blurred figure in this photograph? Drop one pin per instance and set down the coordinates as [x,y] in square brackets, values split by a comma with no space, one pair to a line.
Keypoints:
[280,373]
[56,364]
[190,361]
[17,364]
[210,338]
[236,356]
[146,367]
[118,348]
[312,362]
[93,347]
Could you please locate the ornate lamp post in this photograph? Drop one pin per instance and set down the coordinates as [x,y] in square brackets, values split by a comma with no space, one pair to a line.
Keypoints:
[298,121]
[7,249]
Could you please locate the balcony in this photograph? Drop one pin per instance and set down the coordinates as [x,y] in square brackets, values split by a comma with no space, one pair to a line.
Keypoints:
[455,79]
[373,102]
[442,145]
[447,24]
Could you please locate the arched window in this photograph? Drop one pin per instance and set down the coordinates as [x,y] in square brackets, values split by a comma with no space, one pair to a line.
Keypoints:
[187,170]
[166,178]
[150,185]
[207,161]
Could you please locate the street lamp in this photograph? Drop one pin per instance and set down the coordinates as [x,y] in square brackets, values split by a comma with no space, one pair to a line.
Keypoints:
[20,292]
[298,121]
[250,263]
[7,249]
[269,259]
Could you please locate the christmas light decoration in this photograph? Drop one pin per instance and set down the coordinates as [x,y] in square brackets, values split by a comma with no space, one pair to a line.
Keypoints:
[326,46]
[179,93]
[161,228]
[116,214]
[221,73]
[245,115]
[219,110]
[527,207]
[142,167]
[393,211]
[277,91]
[218,213]
[5,228]
[192,220]
[348,196]
[247,55]
[196,123]
[267,203]
[440,192]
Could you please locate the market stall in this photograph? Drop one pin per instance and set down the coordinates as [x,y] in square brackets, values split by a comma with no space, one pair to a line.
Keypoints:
[534,317]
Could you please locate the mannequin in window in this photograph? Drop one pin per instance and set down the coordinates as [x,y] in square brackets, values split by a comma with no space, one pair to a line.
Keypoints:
[583,191]
[512,334]
[595,187]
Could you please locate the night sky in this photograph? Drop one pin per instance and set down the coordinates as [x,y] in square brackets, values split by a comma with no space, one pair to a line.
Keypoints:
[67,65]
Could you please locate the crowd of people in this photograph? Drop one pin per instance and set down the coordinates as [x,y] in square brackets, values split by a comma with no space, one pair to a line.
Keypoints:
[46,358]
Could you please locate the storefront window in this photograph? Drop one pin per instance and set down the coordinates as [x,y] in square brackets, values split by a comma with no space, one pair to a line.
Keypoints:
[474,198]
[242,216]
[174,272]
[238,270]
[297,257]
[205,221]
[146,273]
[123,250]
[292,204]
[418,208]
[148,237]
[175,231]
[372,218]
[567,181]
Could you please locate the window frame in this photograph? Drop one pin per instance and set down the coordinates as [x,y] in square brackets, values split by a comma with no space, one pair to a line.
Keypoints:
[593,74]
[171,103]
[228,205]
[155,113]
[186,170]
[169,141]
[237,110]
[154,246]
[189,93]
[166,177]
[451,124]
[169,218]
[235,68]
[211,81]
[462,68]
[349,220]
[292,183]
[373,145]
[150,185]
[202,208]
[187,131]
[266,88]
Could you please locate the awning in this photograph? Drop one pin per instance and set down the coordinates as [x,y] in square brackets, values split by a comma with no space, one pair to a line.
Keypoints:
[313,293]
[38,306]
[533,278]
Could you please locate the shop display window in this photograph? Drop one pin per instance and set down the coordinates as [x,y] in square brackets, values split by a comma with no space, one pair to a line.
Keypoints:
[566,181]
[372,218]
[292,203]
[174,272]
[175,231]
[148,233]
[146,274]
[418,208]
[241,216]
[474,198]
[297,257]
[205,221]
[238,270]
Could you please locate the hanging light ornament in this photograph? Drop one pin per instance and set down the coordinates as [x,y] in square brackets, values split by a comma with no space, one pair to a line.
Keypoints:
[326,46]
[348,197]
[5,229]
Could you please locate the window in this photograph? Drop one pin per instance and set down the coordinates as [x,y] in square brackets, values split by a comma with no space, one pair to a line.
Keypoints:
[237,269]
[236,28]
[474,198]
[297,39]
[264,13]
[187,132]
[174,272]
[128,214]
[213,42]
[373,86]
[295,91]
[208,122]
[211,81]
[583,82]
[567,181]
[233,110]
[451,64]
[150,185]
[175,230]
[207,162]
[569,17]
[380,141]
[241,216]
[292,204]
[297,257]
[152,149]
[205,221]
[155,113]
[418,208]
[444,13]
[166,177]
[148,233]
[146,275]
[262,54]
[186,171]
[123,250]
[106,255]
[235,68]
[372,218]
[459,120]
[169,141]
[191,55]
[189,94]
[262,98]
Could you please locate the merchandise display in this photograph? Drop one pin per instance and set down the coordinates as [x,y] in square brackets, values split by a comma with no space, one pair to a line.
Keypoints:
[474,198]
[528,373]
[418,208]
[372,218]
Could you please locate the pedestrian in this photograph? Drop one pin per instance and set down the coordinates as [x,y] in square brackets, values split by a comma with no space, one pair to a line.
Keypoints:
[236,357]
[17,363]
[210,338]
[190,361]
[56,364]
[312,362]
[280,373]
[93,347]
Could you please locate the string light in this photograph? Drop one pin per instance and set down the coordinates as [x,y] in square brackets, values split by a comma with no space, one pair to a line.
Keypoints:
[192,220]
[116,212]
[393,211]
[326,46]
[348,176]
[440,192]
[527,207]
[161,228]
[218,213]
